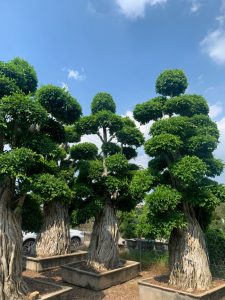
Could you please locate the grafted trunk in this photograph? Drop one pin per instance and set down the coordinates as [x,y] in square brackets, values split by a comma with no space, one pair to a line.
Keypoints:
[54,238]
[103,249]
[12,285]
[188,258]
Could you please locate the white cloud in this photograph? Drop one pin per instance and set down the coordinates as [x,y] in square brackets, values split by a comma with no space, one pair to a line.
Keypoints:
[91,138]
[141,160]
[215,110]
[220,153]
[195,5]
[214,42]
[143,128]
[65,86]
[76,75]
[214,45]
[133,9]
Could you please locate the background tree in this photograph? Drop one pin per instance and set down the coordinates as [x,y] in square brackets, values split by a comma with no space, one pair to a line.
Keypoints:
[105,180]
[184,194]
[52,190]
[29,155]
[18,114]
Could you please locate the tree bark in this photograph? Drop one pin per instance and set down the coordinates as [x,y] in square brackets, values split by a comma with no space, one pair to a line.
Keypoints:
[188,257]
[54,238]
[103,249]
[12,285]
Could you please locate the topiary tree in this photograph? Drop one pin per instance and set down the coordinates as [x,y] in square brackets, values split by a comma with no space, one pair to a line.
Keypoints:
[52,190]
[183,194]
[105,180]
[29,151]
[18,114]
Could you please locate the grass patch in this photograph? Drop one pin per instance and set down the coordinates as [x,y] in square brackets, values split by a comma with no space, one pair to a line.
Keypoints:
[149,259]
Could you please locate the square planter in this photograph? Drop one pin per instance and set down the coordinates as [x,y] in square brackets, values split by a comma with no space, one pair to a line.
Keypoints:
[61,293]
[149,291]
[72,274]
[39,264]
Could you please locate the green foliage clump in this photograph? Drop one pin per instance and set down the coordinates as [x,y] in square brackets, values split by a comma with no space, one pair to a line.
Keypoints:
[163,199]
[117,164]
[171,83]
[84,151]
[163,143]
[22,73]
[187,105]
[150,110]
[59,103]
[48,187]
[7,86]
[103,101]
[190,170]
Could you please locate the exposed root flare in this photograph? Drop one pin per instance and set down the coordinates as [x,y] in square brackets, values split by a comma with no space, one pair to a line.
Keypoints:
[103,249]
[54,238]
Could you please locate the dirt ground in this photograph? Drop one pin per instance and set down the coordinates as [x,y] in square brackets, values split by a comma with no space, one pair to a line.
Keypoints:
[125,291]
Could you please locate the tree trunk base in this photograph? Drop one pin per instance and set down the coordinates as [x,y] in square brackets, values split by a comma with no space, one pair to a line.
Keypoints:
[103,249]
[188,259]
[12,285]
[54,238]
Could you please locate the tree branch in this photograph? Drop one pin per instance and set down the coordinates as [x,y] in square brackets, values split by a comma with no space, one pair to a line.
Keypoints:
[101,138]
[112,137]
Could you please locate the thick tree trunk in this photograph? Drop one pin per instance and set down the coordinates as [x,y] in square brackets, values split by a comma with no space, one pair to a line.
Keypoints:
[12,285]
[103,249]
[188,258]
[54,238]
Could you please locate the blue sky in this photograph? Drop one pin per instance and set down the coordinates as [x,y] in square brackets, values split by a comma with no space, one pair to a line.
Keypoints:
[120,46]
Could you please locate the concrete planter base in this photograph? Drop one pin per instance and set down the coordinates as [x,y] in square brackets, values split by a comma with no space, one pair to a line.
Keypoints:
[62,293]
[38,264]
[149,291]
[72,274]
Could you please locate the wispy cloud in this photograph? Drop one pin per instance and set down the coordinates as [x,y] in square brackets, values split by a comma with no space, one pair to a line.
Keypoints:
[215,110]
[134,9]
[214,42]
[195,5]
[76,75]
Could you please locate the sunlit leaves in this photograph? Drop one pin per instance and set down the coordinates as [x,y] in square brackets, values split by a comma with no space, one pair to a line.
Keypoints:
[22,73]
[141,183]
[85,151]
[117,164]
[163,143]
[20,111]
[179,126]
[130,136]
[163,199]
[103,101]
[59,103]
[171,83]
[51,188]
[16,163]
[150,110]
[190,170]
[187,105]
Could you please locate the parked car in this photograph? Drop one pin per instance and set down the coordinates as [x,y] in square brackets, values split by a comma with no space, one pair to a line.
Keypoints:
[76,236]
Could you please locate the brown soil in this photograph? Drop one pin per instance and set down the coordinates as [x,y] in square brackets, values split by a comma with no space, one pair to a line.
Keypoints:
[163,282]
[85,267]
[42,288]
[124,291]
